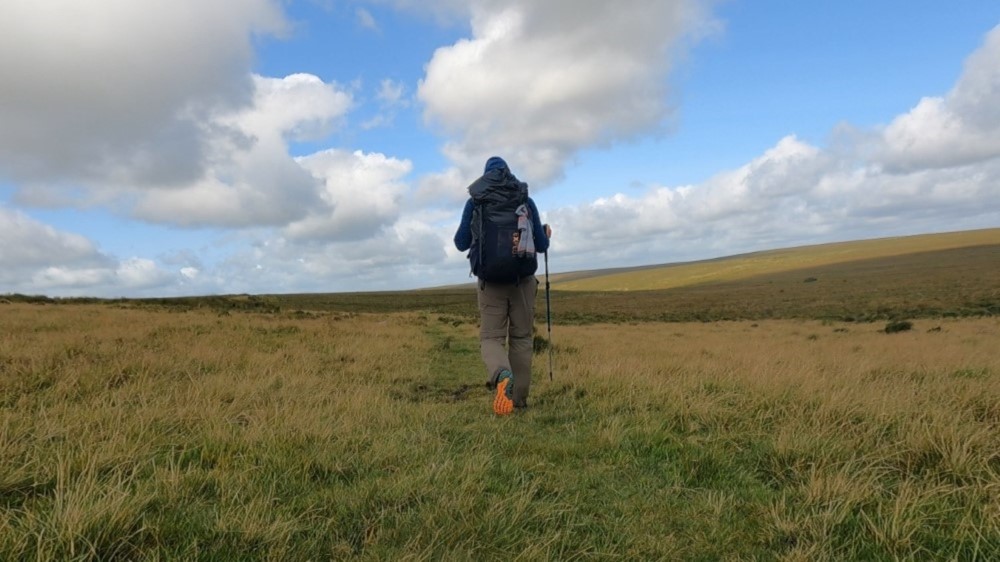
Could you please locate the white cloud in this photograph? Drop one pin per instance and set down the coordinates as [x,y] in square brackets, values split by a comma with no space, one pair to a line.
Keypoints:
[29,244]
[414,250]
[38,259]
[960,128]
[138,273]
[251,179]
[248,177]
[151,111]
[391,92]
[538,81]
[449,186]
[260,187]
[980,85]
[793,194]
[297,107]
[731,210]
[117,90]
[67,280]
[361,192]
[391,96]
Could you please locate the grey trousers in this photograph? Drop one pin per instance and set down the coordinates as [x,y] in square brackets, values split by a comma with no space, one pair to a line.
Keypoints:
[507,316]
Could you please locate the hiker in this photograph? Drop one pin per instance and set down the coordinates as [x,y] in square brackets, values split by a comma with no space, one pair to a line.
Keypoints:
[502,231]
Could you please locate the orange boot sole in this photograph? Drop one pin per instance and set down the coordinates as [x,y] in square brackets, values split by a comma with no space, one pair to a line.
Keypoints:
[502,405]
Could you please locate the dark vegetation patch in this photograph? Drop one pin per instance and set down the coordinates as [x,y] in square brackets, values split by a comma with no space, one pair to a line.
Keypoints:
[539,344]
[440,392]
[896,326]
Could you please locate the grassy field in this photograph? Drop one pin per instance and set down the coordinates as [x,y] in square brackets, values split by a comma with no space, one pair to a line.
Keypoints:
[773,262]
[137,433]
[780,416]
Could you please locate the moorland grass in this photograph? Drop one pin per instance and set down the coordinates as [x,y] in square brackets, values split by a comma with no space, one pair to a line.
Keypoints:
[137,433]
[735,268]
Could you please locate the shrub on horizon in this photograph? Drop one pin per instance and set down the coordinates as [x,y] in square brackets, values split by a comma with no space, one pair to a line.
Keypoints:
[898,326]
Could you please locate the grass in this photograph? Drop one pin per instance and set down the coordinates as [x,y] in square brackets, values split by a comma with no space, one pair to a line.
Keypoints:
[772,262]
[133,432]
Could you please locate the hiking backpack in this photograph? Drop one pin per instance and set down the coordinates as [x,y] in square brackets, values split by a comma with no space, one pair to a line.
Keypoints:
[494,254]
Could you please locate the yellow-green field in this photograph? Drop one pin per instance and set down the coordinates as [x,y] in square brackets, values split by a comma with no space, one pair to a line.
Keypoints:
[772,262]
[132,431]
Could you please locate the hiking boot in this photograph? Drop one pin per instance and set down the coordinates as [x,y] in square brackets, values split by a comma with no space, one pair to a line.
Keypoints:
[503,404]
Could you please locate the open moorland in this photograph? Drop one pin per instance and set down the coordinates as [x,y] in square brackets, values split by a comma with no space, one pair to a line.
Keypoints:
[837,411]
[745,266]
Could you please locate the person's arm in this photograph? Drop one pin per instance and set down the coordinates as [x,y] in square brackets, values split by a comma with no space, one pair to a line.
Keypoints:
[463,236]
[538,229]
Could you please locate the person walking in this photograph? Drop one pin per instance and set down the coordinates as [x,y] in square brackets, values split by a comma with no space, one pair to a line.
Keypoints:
[502,231]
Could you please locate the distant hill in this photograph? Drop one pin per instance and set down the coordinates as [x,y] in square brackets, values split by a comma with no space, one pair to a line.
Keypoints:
[745,266]
[950,275]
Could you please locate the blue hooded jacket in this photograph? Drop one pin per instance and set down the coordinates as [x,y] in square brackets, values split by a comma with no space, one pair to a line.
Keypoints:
[497,173]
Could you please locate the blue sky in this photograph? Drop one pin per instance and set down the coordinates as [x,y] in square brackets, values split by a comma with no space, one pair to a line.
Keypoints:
[226,146]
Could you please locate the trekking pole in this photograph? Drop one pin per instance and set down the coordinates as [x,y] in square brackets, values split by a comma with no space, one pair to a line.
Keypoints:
[548,311]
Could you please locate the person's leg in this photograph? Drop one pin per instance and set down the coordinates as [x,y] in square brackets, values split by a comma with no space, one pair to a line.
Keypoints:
[522,325]
[493,311]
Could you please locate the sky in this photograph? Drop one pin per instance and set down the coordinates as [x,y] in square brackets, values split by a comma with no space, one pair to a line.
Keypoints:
[194,147]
